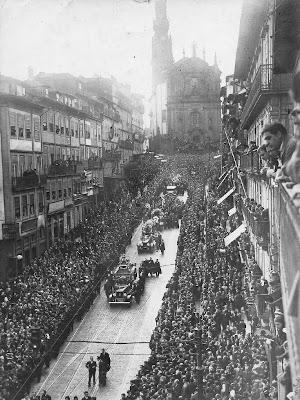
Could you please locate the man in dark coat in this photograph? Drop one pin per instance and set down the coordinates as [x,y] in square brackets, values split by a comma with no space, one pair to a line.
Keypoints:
[91,366]
[104,356]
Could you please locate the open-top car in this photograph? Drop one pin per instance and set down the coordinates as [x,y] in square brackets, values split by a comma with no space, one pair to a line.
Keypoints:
[158,219]
[147,244]
[147,228]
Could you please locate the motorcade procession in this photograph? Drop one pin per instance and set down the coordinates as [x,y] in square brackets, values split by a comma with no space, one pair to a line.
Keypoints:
[126,282]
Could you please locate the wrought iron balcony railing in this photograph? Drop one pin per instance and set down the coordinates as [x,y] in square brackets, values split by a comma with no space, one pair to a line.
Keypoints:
[109,155]
[67,167]
[250,162]
[126,144]
[246,162]
[95,163]
[264,83]
[28,181]
[260,226]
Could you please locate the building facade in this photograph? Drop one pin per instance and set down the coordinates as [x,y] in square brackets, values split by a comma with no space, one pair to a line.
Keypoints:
[23,181]
[185,97]
[193,102]
[64,143]
[263,77]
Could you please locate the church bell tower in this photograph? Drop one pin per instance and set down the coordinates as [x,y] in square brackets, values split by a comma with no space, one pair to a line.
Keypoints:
[162,55]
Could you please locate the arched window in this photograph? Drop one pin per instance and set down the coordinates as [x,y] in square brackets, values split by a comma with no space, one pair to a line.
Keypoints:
[194,84]
[195,118]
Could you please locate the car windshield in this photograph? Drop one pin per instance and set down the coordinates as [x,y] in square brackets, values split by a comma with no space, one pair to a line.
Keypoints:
[123,280]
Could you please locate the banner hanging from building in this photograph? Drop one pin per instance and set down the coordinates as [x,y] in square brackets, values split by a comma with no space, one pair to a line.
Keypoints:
[232,211]
[224,177]
[226,195]
[234,235]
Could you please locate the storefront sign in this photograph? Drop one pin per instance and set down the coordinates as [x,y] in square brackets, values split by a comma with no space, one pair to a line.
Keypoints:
[68,202]
[29,225]
[56,206]
[10,231]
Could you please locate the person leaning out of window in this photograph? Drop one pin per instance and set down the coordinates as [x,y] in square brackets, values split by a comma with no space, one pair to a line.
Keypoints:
[293,165]
[276,139]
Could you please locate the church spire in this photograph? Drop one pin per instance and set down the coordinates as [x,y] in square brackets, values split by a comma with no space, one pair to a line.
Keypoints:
[216,67]
[215,60]
[162,55]
[194,51]
[204,54]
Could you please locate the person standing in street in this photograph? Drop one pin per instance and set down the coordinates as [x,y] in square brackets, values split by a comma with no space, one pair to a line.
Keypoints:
[91,366]
[104,356]
[162,247]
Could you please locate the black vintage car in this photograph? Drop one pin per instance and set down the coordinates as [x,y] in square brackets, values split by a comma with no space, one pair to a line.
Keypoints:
[122,283]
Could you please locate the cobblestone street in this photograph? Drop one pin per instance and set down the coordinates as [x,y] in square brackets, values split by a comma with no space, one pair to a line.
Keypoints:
[124,332]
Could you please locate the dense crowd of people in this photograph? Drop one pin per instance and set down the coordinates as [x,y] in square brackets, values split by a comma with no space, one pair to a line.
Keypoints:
[52,289]
[60,286]
[204,344]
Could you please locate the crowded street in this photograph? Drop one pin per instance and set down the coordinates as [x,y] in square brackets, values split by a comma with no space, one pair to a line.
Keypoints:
[150,200]
[124,332]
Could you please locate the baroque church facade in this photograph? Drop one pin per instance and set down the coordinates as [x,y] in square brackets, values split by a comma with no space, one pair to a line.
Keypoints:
[185,94]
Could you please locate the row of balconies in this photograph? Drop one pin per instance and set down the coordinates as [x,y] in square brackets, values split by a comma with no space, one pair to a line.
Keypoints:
[111,155]
[31,179]
[126,145]
[264,84]
[260,226]
[13,230]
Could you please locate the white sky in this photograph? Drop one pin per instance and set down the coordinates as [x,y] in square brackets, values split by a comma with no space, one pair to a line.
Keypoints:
[111,37]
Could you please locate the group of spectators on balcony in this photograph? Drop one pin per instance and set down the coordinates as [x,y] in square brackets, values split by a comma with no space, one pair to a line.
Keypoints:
[203,344]
[280,149]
